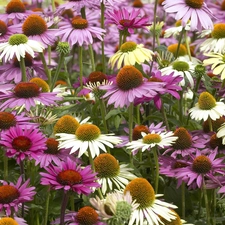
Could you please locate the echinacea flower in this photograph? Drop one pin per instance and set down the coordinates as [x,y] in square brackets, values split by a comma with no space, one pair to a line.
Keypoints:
[200,167]
[22,142]
[18,45]
[70,176]
[128,86]
[87,137]
[129,54]
[127,21]
[217,62]
[79,31]
[150,140]
[115,208]
[12,221]
[150,209]
[12,195]
[196,11]
[27,95]
[207,107]
[215,43]
[111,174]
[85,215]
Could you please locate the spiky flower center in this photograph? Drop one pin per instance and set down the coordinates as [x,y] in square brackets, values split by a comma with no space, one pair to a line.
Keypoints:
[123,211]
[87,132]
[26,90]
[184,140]
[97,76]
[218,31]
[66,124]
[206,101]
[7,120]
[151,138]
[138,4]
[128,78]
[87,216]
[216,124]
[15,6]
[41,83]
[21,143]
[202,164]
[8,193]
[223,5]
[106,166]
[128,46]
[69,177]
[195,4]
[17,39]
[79,23]
[28,61]
[8,221]
[138,130]
[63,48]
[52,146]
[34,25]
[181,51]
[154,79]
[179,164]
[141,191]
[180,66]
[3,28]
[216,142]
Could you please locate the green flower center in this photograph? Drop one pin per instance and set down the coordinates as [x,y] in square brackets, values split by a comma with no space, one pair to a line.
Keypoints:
[106,166]
[141,191]
[196,4]
[202,164]
[21,143]
[34,25]
[181,66]
[178,23]
[63,48]
[151,138]
[7,120]
[15,6]
[8,193]
[3,28]
[69,177]
[128,78]
[87,132]
[206,101]
[128,46]
[66,124]
[52,146]
[79,23]
[17,39]
[87,216]
[26,90]
[218,31]
[184,140]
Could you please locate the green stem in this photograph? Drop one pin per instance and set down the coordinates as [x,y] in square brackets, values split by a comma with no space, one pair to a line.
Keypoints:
[164,116]
[138,114]
[53,5]
[92,57]
[80,56]
[183,185]
[103,44]
[103,113]
[179,42]
[49,55]
[23,69]
[131,119]
[120,38]
[210,124]
[58,69]
[83,13]
[6,171]
[206,201]
[155,153]
[63,207]
[47,206]
[47,71]
[72,208]
[187,44]
[181,108]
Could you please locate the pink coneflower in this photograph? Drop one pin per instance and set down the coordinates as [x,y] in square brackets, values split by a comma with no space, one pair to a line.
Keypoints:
[125,20]
[201,166]
[27,95]
[128,86]
[85,215]
[6,30]
[77,30]
[15,12]
[70,177]
[21,142]
[196,11]
[12,195]
[36,28]
[12,71]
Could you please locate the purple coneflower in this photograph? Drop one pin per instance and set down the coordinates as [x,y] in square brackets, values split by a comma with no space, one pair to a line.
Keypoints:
[21,142]
[69,176]
[12,195]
